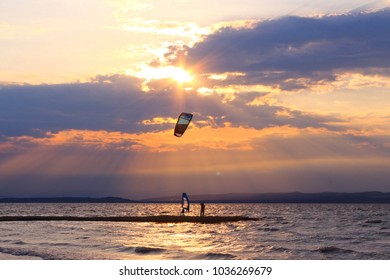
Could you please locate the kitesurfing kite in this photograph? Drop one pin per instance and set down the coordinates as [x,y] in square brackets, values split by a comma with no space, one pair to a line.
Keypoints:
[182,123]
[185,203]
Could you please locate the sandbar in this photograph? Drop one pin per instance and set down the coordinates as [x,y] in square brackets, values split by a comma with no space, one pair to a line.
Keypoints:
[141,219]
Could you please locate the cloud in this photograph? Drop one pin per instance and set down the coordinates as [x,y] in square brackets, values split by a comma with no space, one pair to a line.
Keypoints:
[167,28]
[117,104]
[113,103]
[283,50]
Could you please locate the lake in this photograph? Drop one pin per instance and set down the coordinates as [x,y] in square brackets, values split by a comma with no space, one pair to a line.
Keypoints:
[283,231]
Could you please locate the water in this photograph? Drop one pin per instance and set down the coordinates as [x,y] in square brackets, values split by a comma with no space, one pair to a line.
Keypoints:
[283,231]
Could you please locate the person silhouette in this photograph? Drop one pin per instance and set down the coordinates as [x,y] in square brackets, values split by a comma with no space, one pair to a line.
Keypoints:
[202,207]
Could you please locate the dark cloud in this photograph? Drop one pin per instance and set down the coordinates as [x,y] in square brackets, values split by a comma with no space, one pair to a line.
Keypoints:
[116,103]
[109,103]
[297,47]
[239,112]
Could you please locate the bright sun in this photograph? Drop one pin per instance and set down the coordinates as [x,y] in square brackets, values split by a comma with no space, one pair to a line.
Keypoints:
[167,72]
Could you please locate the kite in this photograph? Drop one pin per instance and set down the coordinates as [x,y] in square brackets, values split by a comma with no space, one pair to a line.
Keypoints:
[182,123]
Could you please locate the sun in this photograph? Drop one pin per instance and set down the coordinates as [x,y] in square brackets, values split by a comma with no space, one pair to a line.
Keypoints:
[180,75]
[177,74]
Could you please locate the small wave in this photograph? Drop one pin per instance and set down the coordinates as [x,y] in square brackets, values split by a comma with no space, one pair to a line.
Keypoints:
[124,249]
[277,249]
[374,222]
[278,219]
[148,250]
[268,229]
[25,254]
[55,244]
[332,249]
[82,237]
[19,242]
[219,256]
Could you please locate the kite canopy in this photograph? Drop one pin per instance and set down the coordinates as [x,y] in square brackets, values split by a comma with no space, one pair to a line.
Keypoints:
[182,123]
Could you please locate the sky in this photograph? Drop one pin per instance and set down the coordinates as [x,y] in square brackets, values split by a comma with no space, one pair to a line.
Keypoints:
[288,96]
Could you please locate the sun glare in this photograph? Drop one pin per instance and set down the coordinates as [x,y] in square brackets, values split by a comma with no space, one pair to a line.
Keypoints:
[167,72]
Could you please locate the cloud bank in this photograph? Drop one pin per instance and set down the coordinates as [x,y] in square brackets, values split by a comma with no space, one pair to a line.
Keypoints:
[116,104]
[276,51]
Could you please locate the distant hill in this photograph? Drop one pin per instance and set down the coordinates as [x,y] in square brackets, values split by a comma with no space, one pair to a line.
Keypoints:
[294,197]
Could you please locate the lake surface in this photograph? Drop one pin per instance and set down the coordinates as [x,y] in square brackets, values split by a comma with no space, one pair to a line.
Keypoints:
[283,231]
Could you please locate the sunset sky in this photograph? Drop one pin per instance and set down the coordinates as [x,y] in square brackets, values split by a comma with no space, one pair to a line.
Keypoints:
[287,95]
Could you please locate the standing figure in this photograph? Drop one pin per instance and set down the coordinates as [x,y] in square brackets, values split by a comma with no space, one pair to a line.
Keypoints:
[202,207]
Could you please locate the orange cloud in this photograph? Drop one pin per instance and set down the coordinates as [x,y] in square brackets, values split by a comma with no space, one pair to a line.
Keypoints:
[159,120]
[227,151]
[196,138]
